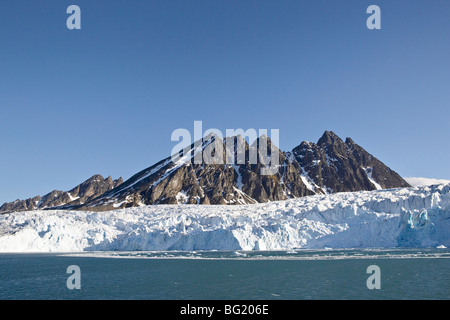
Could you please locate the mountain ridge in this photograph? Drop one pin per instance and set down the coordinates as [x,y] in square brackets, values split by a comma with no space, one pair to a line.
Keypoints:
[85,191]
[331,165]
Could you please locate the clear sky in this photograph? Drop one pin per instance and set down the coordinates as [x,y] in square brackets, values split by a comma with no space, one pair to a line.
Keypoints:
[105,99]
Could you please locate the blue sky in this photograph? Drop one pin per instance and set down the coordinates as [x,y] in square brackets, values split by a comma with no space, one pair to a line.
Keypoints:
[105,99]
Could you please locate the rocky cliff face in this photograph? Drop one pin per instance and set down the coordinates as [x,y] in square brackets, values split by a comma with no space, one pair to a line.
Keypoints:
[328,166]
[169,182]
[84,192]
[333,165]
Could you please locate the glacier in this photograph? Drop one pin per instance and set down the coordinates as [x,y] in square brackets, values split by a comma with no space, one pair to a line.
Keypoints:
[404,217]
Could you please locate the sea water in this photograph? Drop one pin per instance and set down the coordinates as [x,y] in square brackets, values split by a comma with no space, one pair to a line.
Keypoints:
[234,275]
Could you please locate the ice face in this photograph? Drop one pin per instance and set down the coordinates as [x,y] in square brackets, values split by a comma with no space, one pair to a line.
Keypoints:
[407,217]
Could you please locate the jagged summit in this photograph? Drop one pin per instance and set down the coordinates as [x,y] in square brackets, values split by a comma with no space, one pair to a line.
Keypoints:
[349,141]
[336,166]
[329,137]
[218,181]
[215,171]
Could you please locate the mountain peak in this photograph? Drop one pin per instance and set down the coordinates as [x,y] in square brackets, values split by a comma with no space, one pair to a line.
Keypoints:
[265,141]
[349,141]
[329,137]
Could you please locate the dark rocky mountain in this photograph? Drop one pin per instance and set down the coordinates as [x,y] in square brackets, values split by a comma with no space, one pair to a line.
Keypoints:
[169,182]
[328,166]
[331,165]
[84,192]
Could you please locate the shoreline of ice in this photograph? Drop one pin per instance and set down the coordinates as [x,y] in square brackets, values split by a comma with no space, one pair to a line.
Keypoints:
[395,218]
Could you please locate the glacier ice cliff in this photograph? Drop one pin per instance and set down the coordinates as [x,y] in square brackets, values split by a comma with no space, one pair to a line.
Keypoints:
[405,217]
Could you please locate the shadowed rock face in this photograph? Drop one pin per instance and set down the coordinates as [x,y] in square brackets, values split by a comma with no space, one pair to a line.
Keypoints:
[229,174]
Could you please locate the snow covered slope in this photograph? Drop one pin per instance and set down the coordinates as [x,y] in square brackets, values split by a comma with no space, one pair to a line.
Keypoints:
[407,217]
[419,182]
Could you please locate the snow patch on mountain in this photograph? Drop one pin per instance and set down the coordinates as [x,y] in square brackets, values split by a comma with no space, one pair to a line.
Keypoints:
[406,217]
[369,176]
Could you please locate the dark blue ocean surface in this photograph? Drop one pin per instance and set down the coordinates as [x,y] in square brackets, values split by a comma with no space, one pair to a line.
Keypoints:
[319,274]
